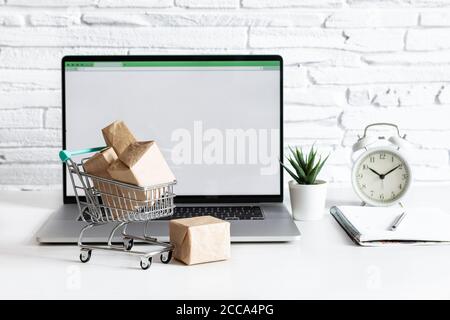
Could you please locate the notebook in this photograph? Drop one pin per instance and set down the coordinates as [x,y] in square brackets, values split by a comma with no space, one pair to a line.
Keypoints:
[370,226]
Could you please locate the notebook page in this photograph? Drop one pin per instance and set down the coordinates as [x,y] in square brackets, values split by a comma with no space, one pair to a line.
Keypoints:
[420,224]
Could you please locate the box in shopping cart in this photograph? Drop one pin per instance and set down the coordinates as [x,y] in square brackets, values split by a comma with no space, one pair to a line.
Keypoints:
[127,203]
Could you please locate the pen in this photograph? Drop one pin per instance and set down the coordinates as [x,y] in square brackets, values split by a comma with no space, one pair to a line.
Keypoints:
[397,221]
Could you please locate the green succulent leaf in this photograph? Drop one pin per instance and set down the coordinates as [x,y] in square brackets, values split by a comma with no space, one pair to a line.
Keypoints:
[298,156]
[306,166]
[300,172]
[311,159]
[293,175]
[318,168]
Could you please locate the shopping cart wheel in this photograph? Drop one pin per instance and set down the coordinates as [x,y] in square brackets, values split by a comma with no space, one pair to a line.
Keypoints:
[146,263]
[85,255]
[165,257]
[85,213]
[128,243]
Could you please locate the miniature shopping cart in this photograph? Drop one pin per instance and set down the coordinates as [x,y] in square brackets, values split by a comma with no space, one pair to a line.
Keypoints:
[101,201]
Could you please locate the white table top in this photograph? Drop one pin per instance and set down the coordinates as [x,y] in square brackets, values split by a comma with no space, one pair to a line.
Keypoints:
[323,264]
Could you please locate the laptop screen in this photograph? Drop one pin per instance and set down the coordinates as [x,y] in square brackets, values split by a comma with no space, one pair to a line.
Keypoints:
[217,121]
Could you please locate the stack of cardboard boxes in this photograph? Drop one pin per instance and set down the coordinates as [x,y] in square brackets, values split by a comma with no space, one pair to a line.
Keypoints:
[137,163]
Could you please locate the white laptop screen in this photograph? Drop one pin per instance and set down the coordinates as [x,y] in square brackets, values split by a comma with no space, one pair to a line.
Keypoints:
[216,122]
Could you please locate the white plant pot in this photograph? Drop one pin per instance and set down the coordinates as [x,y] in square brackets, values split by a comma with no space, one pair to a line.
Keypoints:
[308,201]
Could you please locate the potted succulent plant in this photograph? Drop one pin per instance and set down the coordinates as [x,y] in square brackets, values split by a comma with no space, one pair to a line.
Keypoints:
[308,194]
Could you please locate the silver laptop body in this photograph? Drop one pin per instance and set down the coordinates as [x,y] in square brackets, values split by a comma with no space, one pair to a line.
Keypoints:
[217,119]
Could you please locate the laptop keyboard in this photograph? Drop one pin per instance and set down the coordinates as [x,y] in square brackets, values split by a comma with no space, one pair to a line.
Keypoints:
[221,212]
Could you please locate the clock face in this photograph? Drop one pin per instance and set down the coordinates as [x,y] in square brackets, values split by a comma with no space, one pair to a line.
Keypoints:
[381,177]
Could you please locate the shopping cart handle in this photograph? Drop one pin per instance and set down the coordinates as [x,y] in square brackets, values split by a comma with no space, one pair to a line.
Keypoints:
[65,155]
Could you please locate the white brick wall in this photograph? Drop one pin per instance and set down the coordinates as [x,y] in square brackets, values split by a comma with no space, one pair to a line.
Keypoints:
[348,63]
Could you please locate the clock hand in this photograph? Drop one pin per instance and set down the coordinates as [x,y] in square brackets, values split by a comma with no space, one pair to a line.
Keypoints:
[391,170]
[376,173]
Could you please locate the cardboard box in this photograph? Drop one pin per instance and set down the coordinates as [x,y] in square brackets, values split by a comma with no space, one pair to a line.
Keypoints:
[121,199]
[118,136]
[126,160]
[98,165]
[141,164]
[200,239]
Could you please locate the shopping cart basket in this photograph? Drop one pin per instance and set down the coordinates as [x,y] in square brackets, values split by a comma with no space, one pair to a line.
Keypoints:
[101,201]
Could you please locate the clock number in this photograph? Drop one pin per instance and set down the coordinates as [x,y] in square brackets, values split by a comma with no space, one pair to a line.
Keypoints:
[393,172]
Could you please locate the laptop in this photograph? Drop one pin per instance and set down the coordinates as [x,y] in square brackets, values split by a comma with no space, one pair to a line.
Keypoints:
[218,120]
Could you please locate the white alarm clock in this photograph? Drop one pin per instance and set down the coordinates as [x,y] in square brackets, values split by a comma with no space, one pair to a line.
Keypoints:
[381,174]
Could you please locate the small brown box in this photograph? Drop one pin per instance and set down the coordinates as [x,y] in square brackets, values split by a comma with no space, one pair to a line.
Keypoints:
[138,163]
[141,164]
[200,239]
[97,166]
[120,200]
[118,136]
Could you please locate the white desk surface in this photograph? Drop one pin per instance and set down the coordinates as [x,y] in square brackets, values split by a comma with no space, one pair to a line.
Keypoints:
[323,264]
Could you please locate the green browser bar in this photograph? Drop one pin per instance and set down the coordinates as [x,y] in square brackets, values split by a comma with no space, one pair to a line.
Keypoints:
[84,64]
